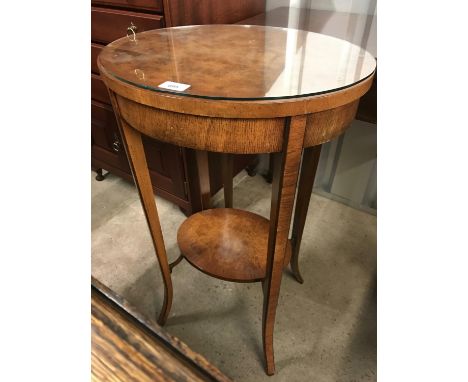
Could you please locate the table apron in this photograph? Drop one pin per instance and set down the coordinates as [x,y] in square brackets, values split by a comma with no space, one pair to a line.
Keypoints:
[231,135]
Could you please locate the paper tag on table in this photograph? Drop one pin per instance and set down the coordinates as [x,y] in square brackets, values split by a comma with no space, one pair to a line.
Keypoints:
[174,86]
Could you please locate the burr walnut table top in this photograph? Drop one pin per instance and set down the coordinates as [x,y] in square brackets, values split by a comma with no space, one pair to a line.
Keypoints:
[237,62]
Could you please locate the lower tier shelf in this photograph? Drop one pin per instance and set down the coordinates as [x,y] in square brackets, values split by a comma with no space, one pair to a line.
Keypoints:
[227,243]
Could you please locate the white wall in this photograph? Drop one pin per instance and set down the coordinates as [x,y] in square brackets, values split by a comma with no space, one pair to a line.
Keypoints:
[353,6]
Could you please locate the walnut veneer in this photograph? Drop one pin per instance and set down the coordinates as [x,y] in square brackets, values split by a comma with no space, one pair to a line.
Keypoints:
[231,244]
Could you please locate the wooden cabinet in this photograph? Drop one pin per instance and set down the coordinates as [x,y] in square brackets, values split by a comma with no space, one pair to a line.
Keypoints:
[174,174]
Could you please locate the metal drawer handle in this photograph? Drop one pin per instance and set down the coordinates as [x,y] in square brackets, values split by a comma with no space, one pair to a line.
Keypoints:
[131,32]
[116,146]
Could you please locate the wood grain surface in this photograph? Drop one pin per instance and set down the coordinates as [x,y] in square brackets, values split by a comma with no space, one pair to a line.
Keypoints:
[283,193]
[227,243]
[98,89]
[240,135]
[232,135]
[310,161]
[196,12]
[147,5]
[237,109]
[125,346]
[326,125]
[108,25]
[136,156]
[237,62]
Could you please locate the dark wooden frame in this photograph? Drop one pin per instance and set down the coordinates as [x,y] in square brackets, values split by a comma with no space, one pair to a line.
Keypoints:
[117,325]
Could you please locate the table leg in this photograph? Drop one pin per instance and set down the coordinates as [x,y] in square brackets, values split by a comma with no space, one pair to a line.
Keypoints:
[286,167]
[269,175]
[252,167]
[99,176]
[136,156]
[175,262]
[204,178]
[227,170]
[310,162]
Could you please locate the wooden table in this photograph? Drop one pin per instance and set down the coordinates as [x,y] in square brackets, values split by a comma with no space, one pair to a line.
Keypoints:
[253,89]
[128,347]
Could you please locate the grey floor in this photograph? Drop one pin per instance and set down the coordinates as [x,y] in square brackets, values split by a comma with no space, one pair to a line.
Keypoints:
[325,329]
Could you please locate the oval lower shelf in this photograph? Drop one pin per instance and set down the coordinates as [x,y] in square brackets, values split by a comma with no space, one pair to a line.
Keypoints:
[227,243]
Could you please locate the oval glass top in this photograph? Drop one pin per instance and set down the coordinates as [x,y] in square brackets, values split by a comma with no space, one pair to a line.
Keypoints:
[236,62]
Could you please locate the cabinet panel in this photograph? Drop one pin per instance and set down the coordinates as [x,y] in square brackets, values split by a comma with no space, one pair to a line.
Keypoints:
[191,12]
[108,25]
[103,118]
[106,142]
[166,166]
[151,5]
[98,90]
[95,50]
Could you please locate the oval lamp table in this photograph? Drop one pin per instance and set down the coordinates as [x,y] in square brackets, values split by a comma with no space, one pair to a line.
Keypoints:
[235,89]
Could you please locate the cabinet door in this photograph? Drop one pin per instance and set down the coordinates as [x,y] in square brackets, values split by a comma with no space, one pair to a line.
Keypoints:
[166,166]
[106,143]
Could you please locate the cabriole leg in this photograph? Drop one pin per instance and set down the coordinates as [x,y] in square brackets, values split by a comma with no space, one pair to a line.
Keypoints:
[286,168]
[136,156]
[310,160]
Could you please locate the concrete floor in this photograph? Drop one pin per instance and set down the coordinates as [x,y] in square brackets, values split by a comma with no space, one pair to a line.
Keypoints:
[325,329]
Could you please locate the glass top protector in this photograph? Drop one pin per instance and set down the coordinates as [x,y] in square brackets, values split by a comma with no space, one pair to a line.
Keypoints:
[237,62]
